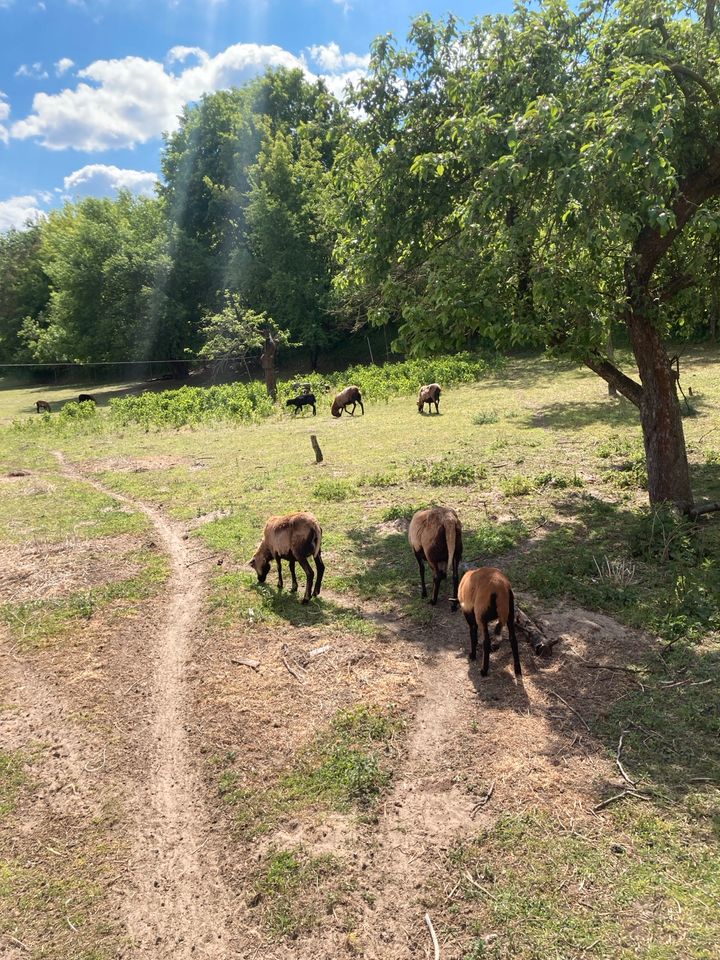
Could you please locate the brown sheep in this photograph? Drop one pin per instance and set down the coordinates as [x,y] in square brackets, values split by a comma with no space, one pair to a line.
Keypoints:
[350,395]
[429,394]
[295,537]
[86,398]
[436,536]
[485,594]
[42,406]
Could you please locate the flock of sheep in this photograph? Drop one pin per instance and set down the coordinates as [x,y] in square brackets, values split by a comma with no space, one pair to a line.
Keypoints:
[435,535]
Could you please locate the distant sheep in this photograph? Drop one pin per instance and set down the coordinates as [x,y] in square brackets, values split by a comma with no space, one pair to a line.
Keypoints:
[304,400]
[485,594]
[435,535]
[350,395]
[86,397]
[42,406]
[429,394]
[295,538]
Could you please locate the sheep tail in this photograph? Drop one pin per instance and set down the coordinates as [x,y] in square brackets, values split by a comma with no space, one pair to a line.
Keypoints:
[317,542]
[450,534]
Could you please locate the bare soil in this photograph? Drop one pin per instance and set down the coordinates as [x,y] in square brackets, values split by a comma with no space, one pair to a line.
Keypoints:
[132,724]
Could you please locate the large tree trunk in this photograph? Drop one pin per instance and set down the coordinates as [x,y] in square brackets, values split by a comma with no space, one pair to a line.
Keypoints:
[667,463]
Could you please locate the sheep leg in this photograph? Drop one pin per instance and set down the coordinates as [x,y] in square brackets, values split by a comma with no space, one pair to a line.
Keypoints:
[310,577]
[472,623]
[437,406]
[320,571]
[314,410]
[455,579]
[352,412]
[280,579]
[419,558]
[437,577]
[362,408]
[486,650]
[294,587]
[513,638]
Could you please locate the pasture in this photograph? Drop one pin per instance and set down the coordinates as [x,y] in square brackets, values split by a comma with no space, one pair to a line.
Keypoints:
[192,764]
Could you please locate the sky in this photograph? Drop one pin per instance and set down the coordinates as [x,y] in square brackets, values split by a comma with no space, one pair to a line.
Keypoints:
[87,87]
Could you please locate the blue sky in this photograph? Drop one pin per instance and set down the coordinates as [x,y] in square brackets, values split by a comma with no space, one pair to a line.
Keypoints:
[88,86]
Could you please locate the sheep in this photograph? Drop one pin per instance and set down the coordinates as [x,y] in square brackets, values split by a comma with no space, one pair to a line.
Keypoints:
[350,395]
[42,406]
[304,400]
[485,594]
[429,394]
[435,535]
[295,537]
[86,397]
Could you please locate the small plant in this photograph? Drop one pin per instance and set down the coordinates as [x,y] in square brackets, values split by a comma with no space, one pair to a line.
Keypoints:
[663,533]
[398,512]
[389,479]
[288,889]
[446,473]
[485,416]
[517,485]
[712,457]
[619,573]
[335,490]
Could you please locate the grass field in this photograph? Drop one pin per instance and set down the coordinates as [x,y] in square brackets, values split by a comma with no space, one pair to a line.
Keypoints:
[357,773]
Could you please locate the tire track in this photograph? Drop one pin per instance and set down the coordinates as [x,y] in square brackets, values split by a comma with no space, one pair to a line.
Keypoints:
[177,905]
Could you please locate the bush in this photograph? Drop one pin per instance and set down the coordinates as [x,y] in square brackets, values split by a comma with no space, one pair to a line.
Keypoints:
[446,473]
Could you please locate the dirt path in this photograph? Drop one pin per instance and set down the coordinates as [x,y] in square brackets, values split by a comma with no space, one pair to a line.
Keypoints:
[177,905]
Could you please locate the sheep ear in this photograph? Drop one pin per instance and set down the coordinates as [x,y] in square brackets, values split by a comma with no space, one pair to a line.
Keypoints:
[251,563]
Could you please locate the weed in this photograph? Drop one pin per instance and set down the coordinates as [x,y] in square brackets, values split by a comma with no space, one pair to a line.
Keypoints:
[517,485]
[446,473]
[288,889]
[485,416]
[333,490]
[399,512]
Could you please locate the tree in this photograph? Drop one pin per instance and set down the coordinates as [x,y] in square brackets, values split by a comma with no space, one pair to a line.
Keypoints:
[236,333]
[288,267]
[536,179]
[105,260]
[206,165]
[24,288]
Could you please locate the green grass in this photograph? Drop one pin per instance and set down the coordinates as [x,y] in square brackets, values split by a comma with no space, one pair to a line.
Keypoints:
[50,507]
[35,623]
[12,780]
[345,768]
[646,888]
[292,890]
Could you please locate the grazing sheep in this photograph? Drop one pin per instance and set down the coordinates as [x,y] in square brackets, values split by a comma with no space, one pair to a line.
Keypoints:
[304,400]
[436,536]
[429,394]
[86,397]
[485,594]
[42,406]
[350,395]
[294,538]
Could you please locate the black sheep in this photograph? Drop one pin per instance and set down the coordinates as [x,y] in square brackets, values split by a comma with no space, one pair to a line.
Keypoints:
[304,400]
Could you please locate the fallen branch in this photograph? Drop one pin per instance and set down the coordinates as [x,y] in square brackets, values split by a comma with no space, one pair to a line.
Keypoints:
[246,662]
[619,796]
[699,509]
[572,709]
[683,683]
[317,651]
[607,666]
[479,886]
[620,767]
[290,670]
[484,800]
[431,928]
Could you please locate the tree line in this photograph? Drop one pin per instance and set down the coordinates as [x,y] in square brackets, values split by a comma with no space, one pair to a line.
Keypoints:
[548,177]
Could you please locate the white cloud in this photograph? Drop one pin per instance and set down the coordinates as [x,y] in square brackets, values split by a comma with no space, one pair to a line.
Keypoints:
[16,211]
[99,179]
[121,103]
[330,58]
[63,65]
[4,114]
[33,70]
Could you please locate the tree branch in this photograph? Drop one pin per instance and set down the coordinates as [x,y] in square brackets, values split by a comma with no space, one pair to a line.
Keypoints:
[679,69]
[651,245]
[674,286]
[624,385]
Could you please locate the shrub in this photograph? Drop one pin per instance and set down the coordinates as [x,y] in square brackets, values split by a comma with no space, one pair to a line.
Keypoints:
[332,490]
[517,485]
